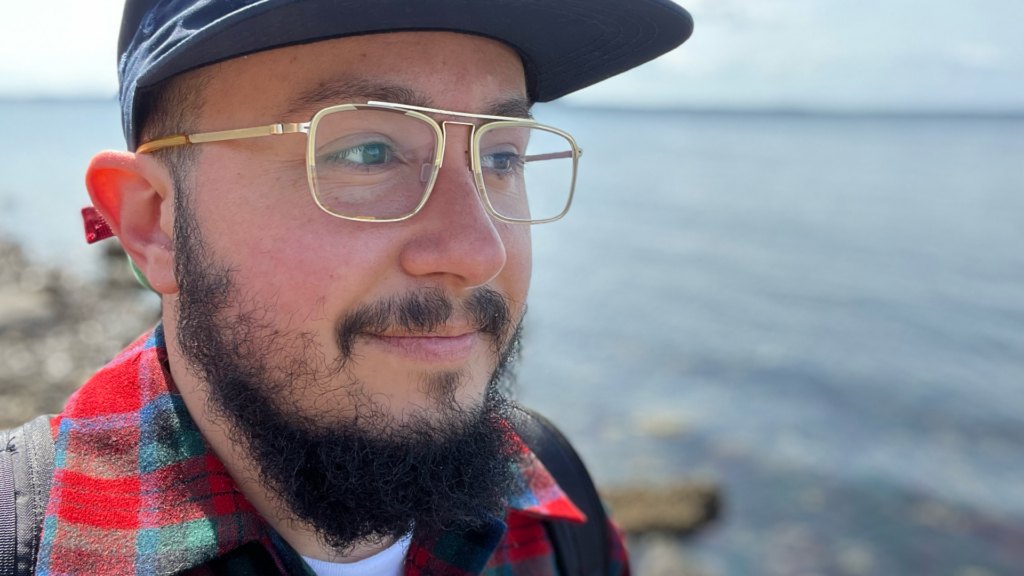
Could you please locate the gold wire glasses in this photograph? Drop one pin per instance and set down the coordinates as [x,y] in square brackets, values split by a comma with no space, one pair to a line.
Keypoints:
[378,161]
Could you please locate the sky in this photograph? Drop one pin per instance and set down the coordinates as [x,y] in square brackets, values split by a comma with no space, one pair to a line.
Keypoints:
[824,55]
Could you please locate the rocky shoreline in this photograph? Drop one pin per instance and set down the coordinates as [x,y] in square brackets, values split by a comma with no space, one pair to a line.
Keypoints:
[657,520]
[57,329]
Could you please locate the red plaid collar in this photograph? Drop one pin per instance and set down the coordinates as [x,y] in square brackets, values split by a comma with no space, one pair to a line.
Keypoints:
[136,489]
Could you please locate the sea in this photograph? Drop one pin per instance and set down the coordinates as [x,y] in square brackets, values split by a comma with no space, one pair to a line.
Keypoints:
[824,314]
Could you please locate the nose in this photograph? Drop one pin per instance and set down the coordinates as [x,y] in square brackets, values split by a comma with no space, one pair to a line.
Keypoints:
[456,240]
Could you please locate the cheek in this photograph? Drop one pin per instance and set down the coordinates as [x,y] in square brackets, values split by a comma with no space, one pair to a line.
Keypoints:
[287,252]
[514,278]
[308,265]
[242,196]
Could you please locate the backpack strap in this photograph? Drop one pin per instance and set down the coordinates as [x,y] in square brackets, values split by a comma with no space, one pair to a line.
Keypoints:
[580,549]
[26,466]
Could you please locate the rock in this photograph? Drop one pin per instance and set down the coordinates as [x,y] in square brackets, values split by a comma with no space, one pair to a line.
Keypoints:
[21,308]
[57,329]
[660,425]
[679,508]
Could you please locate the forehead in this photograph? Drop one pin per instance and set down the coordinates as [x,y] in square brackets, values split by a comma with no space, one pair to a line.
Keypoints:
[434,69]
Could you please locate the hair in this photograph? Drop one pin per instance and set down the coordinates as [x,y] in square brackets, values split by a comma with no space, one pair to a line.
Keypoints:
[171,107]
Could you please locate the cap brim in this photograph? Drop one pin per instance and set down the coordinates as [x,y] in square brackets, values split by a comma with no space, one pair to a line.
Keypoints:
[565,45]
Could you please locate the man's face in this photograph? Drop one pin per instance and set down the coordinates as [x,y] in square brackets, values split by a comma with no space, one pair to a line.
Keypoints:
[353,362]
[303,276]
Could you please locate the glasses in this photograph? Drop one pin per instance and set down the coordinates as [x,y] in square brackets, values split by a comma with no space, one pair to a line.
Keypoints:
[379,161]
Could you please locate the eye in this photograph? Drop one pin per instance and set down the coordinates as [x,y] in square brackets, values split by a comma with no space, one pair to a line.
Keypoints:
[373,153]
[502,161]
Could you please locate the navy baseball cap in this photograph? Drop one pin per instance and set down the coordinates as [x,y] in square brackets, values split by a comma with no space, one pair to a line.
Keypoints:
[565,45]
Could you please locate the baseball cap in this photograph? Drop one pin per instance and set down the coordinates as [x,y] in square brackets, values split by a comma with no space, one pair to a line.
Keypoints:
[565,45]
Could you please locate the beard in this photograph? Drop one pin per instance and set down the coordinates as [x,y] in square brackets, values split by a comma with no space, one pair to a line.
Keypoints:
[354,474]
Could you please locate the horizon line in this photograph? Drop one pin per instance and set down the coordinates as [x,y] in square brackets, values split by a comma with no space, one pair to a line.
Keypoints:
[796,111]
[866,112]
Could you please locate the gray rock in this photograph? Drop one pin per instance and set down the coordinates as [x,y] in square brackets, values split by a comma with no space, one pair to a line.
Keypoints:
[56,329]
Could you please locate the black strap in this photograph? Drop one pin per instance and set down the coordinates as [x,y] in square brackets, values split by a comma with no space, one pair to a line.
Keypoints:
[8,516]
[26,466]
[580,549]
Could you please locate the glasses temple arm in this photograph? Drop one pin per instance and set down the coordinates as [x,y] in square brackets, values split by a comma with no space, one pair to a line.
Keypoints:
[182,140]
[553,155]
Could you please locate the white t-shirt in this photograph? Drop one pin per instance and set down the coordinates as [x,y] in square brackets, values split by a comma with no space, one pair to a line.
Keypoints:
[387,562]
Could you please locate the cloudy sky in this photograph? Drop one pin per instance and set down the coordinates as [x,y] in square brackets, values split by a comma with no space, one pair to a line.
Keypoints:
[902,55]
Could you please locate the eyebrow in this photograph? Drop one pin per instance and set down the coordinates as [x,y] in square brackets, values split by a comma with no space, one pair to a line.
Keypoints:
[362,90]
[514,106]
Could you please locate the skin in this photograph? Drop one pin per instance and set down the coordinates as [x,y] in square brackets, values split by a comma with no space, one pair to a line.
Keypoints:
[307,268]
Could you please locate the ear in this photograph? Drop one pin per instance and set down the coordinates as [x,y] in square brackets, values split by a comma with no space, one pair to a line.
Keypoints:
[133,193]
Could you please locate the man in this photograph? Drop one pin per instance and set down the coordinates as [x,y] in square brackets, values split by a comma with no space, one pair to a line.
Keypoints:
[334,201]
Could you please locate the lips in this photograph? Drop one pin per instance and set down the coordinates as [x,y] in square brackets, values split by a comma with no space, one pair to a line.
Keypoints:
[429,348]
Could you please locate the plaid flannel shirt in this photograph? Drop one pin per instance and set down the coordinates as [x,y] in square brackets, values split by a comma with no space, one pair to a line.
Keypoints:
[137,490]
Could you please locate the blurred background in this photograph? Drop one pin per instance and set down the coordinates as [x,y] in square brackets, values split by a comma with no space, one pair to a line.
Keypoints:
[793,275]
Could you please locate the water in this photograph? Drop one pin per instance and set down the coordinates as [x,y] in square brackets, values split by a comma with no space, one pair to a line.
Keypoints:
[43,157]
[826,314]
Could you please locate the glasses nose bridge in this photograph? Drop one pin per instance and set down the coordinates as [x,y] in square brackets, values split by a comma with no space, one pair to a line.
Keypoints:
[472,134]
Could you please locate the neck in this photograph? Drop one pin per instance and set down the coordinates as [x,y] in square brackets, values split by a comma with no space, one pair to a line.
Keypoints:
[244,470]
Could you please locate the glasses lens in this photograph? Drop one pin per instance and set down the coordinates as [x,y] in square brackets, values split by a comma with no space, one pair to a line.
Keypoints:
[528,172]
[373,164]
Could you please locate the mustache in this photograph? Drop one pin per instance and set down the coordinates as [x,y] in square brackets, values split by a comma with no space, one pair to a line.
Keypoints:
[424,311]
